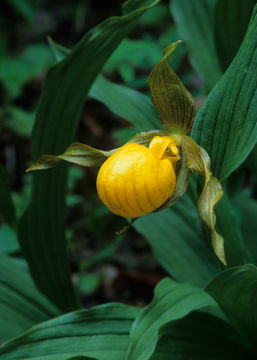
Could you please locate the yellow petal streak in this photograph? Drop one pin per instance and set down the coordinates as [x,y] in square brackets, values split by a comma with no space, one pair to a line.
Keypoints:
[136,180]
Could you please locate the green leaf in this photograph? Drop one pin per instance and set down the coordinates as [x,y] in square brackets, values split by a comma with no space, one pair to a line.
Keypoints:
[21,304]
[194,20]
[235,290]
[177,241]
[65,90]
[199,336]
[121,100]
[171,301]
[126,103]
[248,212]
[101,332]
[228,224]
[8,240]
[226,124]
[7,210]
[231,19]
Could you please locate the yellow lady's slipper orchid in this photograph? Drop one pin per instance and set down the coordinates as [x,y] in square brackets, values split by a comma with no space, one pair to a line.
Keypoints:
[142,175]
[136,179]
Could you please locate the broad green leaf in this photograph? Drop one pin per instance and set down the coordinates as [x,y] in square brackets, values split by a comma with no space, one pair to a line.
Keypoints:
[21,304]
[199,336]
[235,290]
[231,19]
[226,124]
[42,230]
[171,301]
[7,210]
[194,20]
[176,238]
[248,222]
[101,333]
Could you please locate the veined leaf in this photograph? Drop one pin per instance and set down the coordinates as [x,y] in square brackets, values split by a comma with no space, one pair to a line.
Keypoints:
[125,102]
[21,304]
[171,301]
[231,19]
[226,124]
[194,20]
[176,238]
[235,290]
[65,89]
[101,333]
[199,336]
[7,210]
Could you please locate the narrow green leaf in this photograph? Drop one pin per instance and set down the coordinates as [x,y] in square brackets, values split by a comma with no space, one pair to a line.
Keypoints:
[121,100]
[194,20]
[101,332]
[7,210]
[126,103]
[235,290]
[176,238]
[231,19]
[199,336]
[171,301]
[226,124]
[21,304]
[65,89]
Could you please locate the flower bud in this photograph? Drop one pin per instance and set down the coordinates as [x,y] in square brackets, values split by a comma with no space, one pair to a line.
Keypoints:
[136,179]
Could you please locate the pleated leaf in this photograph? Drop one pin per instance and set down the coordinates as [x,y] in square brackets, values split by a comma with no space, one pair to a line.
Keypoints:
[231,19]
[235,290]
[7,210]
[42,231]
[21,304]
[176,238]
[171,301]
[199,336]
[226,125]
[101,333]
[194,20]
[173,101]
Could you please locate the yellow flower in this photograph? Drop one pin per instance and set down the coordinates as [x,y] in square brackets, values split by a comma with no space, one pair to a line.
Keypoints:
[152,171]
[136,179]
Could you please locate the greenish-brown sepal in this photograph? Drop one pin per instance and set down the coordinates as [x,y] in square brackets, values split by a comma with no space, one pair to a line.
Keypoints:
[198,161]
[76,153]
[174,103]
